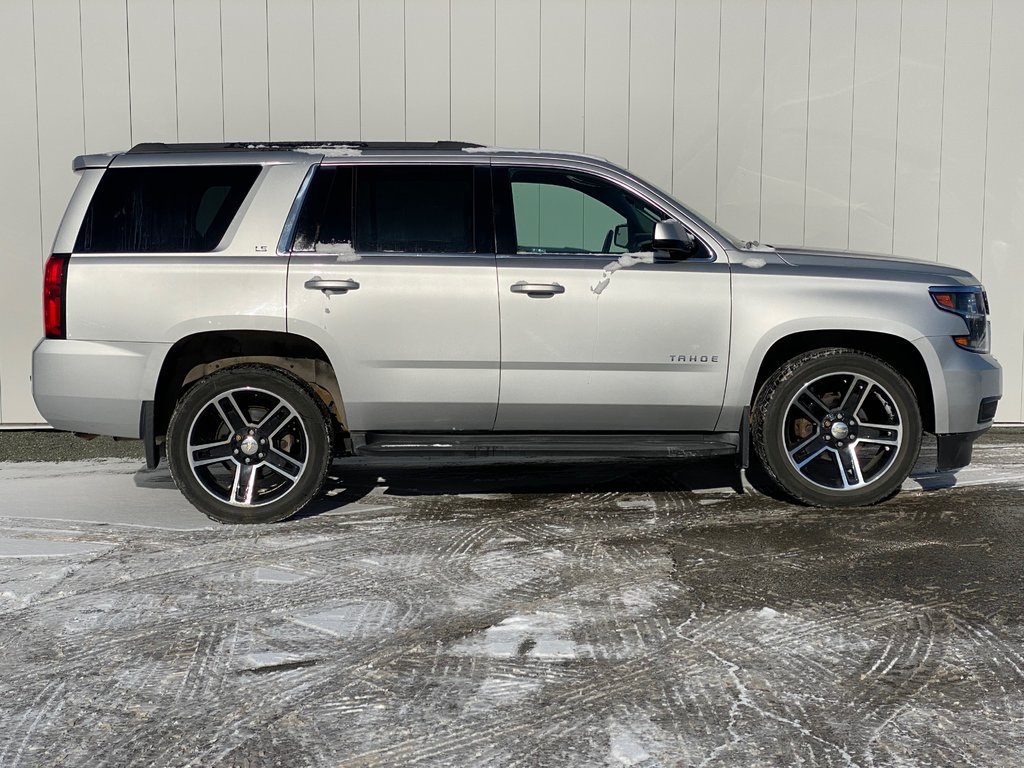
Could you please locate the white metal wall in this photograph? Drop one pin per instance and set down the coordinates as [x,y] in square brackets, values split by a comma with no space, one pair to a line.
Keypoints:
[882,125]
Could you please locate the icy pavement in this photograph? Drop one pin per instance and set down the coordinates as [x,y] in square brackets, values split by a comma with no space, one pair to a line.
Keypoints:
[561,614]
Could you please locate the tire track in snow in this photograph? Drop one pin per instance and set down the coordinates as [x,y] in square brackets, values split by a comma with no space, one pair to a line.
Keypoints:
[369,656]
[42,707]
[346,672]
[909,662]
[620,680]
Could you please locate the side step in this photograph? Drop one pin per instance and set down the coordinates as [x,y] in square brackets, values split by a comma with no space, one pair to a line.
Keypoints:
[565,445]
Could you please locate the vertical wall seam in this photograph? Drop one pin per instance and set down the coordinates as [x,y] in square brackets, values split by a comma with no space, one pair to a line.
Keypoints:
[266,28]
[718,107]
[223,106]
[494,71]
[988,128]
[584,146]
[81,61]
[853,123]
[586,14]
[540,73]
[359,64]
[942,129]
[405,70]
[764,78]
[672,143]
[128,65]
[451,89]
[39,141]
[583,205]
[174,60]
[807,116]
[312,57]
[629,77]
[896,150]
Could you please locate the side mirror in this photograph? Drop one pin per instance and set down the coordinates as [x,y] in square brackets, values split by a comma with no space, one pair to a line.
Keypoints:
[621,239]
[671,235]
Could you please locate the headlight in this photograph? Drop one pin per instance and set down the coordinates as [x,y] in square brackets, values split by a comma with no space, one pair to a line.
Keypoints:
[971,303]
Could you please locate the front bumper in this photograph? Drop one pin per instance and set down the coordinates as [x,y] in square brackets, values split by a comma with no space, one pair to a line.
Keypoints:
[95,387]
[964,386]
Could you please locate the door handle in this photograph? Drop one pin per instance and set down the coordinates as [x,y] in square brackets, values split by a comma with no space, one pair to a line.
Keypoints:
[537,290]
[331,286]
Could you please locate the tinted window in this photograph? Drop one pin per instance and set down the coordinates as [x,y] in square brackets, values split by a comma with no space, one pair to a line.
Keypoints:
[415,209]
[569,212]
[164,210]
[326,219]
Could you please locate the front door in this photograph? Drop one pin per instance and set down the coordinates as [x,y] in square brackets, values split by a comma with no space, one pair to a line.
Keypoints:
[598,332]
[401,294]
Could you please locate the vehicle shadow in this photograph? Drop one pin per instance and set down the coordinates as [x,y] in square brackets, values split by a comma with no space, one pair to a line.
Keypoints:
[353,480]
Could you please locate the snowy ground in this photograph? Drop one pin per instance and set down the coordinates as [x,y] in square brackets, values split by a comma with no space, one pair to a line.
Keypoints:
[573,615]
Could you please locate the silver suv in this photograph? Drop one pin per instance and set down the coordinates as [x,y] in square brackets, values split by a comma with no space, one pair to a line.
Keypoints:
[253,311]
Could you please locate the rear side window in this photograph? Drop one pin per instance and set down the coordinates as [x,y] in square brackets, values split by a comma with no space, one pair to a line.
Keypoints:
[171,209]
[415,209]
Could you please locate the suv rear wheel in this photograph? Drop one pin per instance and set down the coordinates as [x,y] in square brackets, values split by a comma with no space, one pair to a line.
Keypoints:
[249,444]
[837,427]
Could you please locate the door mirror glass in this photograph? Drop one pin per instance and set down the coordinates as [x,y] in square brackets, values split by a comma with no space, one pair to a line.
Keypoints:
[622,236]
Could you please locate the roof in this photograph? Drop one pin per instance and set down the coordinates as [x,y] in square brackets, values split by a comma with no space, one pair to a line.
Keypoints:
[281,151]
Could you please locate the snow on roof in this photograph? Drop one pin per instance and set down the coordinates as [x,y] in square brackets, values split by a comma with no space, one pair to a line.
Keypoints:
[331,150]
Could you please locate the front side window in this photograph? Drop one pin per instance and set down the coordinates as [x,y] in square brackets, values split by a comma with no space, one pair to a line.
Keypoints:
[568,212]
[170,209]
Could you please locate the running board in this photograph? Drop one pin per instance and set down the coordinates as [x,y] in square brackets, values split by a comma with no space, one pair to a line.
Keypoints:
[496,444]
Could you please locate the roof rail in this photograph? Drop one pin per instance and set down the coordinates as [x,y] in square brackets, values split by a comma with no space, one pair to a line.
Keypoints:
[271,146]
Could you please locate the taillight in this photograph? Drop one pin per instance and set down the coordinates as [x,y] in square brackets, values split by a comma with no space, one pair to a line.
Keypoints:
[54,294]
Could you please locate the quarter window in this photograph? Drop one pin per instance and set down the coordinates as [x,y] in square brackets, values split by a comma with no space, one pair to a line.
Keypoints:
[175,209]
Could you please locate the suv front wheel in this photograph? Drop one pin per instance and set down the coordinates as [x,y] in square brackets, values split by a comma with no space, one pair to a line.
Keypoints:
[249,444]
[837,427]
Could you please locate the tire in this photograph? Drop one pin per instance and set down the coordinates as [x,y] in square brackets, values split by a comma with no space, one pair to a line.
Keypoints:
[837,428]
[249,444]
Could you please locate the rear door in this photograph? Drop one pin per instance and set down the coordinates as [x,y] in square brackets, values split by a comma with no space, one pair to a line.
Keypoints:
[392,272]
[599,333]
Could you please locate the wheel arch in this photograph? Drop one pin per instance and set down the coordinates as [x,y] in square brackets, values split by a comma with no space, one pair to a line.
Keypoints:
[197,355]
[896,351]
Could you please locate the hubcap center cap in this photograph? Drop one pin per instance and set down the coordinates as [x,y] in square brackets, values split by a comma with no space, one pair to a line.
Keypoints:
[840,431]
[249,445]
